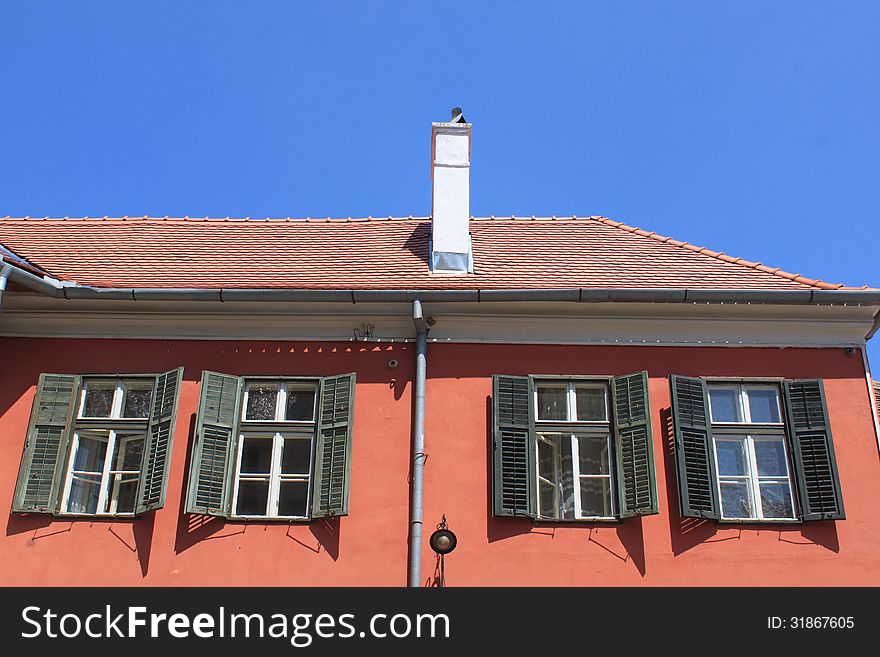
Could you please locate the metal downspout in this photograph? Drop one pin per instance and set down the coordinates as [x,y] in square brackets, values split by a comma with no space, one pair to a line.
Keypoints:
[4,278]
[870,381]
[418,449]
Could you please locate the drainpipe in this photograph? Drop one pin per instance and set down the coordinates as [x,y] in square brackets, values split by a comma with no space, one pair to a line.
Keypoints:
[418,462]
[4,278]
[870,381]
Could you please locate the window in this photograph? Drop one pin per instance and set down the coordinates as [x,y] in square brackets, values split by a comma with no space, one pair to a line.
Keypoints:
[754,451]
[98,445]
[569,450]
[274,467]
[272,448]
[752,466]
[574,467]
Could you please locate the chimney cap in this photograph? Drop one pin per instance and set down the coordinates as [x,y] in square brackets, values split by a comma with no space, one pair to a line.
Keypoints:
[457,116]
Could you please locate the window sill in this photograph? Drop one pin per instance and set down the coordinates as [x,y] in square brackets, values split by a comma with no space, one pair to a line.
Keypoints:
[759,521]
[274,520]
[577,521]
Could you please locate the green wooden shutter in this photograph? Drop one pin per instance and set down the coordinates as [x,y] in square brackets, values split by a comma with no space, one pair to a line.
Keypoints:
[42,462]
[813,451]
[160,438]
[333,447]
[634,446]
[693,448]
[215,439]
[513,447]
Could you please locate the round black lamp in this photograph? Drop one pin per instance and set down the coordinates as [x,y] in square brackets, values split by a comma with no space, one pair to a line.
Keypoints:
[443,541]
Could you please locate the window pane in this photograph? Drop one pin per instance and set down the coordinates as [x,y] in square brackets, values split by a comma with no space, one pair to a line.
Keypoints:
[128,452]
[593,455]
[253,498]
[724,403]
[122,494]
[292,498]
[763,404]
[736,500]
[84,491]
[590,403]
[548,502]
[776,500]
[300,404]
[552,403]
[770,455]
[262,399]
[596,497]
[90,453]
[136,402]
[99,399]
[731,458]
[297,456]
[256,454]
[555,464]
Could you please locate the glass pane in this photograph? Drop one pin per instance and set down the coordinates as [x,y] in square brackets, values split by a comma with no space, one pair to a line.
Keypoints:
[731,457]
[292,498]
[736,500]
[128,452]
[770,455]
[590,403]
[547,456]
[763,404]
[552,403]
[593,455]
[566,478]
[99,399]
[256,454]
[724,402]
[90,453]
[122,494]
[297,456]
[136,402]
[596,497]
[84,491]
[253,497]
[262,399]
[547,500]
[300,404]
[776,500]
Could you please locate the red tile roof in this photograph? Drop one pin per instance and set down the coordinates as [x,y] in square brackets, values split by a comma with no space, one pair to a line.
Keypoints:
[509,253]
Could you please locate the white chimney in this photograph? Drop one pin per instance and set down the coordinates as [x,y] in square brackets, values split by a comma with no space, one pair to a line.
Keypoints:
[450,208]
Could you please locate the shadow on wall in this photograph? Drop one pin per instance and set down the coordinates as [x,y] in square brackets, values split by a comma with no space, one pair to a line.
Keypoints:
[687,533]
[193,529]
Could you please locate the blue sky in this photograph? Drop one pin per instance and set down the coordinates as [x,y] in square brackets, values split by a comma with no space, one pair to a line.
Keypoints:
[747,127]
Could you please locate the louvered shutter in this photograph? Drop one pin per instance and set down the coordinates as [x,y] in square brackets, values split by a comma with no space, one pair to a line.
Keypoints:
[215,438]
[634,447]
[160,438]
[693,448]
[330,485]
[813,451]
[877,396]
[513,447]
[42,467]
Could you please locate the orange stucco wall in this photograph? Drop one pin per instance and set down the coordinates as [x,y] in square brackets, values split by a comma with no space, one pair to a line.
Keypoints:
[369,547]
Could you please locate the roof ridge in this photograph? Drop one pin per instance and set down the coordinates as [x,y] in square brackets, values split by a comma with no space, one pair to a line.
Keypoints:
[187,218]
[720,255]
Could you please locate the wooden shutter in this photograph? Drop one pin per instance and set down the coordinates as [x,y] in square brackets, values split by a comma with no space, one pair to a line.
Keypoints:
[813,450]
[160,438]
[215,438]
[513,447]
[634,446]
[45,448]
[333,447]
[693,448]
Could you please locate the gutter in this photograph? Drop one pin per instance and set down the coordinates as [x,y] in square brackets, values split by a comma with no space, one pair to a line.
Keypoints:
[5,271]
[418,449]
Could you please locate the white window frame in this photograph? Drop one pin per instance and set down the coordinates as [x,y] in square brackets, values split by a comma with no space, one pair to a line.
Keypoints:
[571,400]
[280,400]
[752,477]
[275,476]
[742,398]
[138,430]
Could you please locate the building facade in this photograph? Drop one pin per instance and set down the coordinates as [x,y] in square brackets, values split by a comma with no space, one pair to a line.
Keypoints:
[301,402]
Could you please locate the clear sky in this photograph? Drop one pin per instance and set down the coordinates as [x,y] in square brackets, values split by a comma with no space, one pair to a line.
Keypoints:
[747,127]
